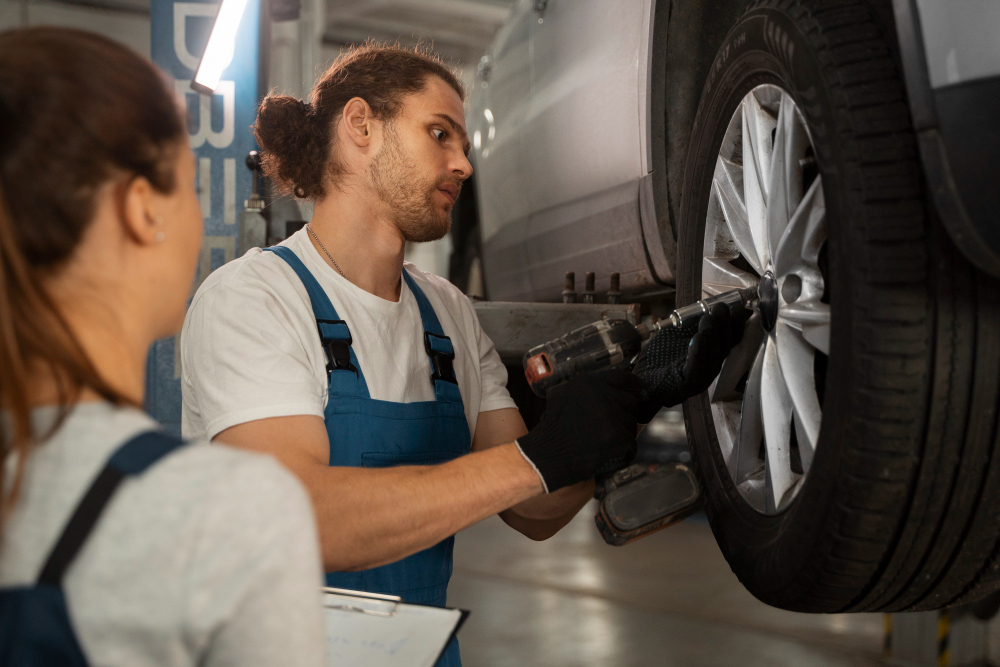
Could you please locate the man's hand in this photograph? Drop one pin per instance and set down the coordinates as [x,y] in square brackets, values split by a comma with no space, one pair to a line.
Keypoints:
[588,427]
[544,515]
[679,364]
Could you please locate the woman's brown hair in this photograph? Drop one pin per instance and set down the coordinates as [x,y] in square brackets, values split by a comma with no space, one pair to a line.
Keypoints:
[295,137]
[76,111]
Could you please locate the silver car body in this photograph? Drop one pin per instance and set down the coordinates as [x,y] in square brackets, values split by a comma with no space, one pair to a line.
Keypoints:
[559,122]
[562,126]
[960,39]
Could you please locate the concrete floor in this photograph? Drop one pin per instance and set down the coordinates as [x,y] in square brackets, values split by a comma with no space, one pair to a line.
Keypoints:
[667,600]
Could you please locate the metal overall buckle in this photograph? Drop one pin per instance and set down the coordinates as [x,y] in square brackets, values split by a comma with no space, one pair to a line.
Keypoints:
[442,354]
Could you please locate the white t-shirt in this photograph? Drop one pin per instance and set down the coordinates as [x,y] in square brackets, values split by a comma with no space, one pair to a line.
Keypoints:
[250,348]
[210,557]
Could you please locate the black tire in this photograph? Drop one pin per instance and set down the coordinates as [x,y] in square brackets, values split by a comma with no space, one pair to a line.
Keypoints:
[901,507]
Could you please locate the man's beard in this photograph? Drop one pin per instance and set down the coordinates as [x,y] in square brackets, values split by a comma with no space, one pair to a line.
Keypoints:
[397,183]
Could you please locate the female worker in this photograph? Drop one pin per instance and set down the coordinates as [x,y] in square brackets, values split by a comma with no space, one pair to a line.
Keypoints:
[120,545]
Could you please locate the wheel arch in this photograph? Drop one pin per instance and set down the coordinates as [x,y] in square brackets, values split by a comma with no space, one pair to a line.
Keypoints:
[686,36]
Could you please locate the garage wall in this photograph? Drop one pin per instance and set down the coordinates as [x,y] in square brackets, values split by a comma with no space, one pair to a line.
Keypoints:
[128,27]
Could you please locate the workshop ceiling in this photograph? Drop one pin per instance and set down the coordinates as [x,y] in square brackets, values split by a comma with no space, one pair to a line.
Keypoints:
[458,29]
[138,7]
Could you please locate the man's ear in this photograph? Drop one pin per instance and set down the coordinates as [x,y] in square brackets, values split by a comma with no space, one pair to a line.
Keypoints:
[140,220]
[358,122]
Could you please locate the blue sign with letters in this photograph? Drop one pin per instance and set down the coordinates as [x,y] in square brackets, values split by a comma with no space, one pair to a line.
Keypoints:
[218,128]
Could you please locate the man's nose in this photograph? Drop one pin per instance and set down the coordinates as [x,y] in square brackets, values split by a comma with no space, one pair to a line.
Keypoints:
[461,166]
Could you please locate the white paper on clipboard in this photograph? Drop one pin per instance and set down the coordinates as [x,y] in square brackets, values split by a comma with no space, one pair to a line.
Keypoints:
[371,630]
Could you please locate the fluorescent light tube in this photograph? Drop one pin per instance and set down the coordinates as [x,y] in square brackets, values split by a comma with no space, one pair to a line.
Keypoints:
[221,46]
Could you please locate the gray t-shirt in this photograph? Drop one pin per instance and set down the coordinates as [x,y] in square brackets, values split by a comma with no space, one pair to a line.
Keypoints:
[209,558]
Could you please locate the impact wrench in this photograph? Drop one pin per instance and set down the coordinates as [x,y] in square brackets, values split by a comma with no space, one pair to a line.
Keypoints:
[643,497]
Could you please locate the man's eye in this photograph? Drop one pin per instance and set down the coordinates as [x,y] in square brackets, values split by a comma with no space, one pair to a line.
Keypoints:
[439,134]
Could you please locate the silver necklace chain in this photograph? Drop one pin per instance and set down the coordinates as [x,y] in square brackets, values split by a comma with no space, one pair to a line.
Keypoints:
[335,265]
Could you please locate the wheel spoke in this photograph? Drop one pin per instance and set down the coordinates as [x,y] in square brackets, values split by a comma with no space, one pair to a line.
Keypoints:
[814,235]
[805,233]
[718,275]
[796,357]
[726,427]
[806,452]
[784,184]
[805,312]
[796,145]
[746,455]
[761,123]
[776,408]
[728,186]
[777,190]
[812,317]
[738,362]
[817,335]
[753,187]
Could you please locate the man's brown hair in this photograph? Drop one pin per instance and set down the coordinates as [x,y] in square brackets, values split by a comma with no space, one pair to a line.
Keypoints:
[296,137]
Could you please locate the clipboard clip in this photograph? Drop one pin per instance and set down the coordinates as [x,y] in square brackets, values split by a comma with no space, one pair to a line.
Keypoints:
[363,595]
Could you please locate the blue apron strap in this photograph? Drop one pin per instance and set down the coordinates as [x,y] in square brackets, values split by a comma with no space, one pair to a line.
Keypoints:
[132,458]
[438,347]
[343,369]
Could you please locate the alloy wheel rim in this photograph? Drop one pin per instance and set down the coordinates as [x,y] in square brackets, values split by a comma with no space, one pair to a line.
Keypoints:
[766,228]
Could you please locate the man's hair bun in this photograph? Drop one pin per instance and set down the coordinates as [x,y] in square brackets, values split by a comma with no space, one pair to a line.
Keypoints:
[293,145]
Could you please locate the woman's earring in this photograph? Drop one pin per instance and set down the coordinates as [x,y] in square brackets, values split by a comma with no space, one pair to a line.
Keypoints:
[158,220]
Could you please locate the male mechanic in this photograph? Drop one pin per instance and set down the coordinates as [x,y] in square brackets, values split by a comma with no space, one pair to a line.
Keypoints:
[372,380]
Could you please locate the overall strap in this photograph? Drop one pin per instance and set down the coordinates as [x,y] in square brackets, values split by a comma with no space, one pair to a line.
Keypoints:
[132,458]
[343,369]
[438,347]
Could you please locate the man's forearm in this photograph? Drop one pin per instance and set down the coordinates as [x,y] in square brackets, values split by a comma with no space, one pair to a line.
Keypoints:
[557,504]
[369,517]
[543,516]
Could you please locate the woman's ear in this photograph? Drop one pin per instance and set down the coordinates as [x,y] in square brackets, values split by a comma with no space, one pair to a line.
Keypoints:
[357,121]
[140,219]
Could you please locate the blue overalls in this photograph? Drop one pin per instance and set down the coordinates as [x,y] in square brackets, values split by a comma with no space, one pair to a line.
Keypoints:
[35,628]
[369,433]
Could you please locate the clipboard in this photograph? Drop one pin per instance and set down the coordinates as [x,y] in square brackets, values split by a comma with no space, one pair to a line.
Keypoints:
[374,630]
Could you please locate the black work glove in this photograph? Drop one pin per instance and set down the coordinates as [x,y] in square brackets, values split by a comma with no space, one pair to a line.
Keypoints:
[681,363]
[588,427]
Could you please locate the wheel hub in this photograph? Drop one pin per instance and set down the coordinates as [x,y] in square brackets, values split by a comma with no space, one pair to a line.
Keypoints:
[765,228]
[767,295]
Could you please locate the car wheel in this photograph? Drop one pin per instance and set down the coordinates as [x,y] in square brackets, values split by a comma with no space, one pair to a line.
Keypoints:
[848,448]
